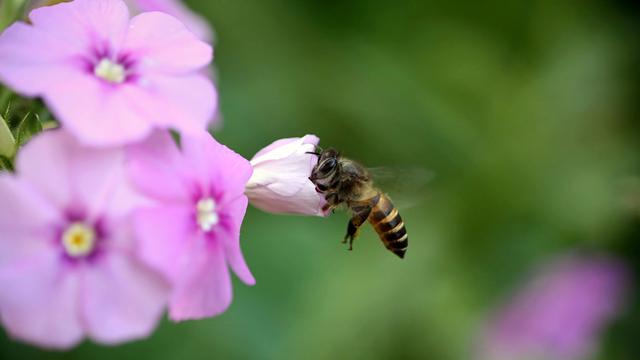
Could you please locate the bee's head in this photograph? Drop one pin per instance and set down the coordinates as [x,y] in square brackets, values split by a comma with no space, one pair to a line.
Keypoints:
[326,167]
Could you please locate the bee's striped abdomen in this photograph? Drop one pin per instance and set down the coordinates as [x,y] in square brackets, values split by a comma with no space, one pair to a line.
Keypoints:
[389,225]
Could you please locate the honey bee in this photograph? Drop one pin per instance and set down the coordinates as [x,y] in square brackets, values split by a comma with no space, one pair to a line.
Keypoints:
[344,181]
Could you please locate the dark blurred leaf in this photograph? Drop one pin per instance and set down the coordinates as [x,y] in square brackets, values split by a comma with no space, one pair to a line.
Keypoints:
[5,163]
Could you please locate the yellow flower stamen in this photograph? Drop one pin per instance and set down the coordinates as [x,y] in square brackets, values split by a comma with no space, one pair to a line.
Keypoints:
[79,240]
[206,214]
[110,71]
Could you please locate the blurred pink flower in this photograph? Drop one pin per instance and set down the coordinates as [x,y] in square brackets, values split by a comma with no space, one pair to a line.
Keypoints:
[67,264]
[194,22]
[193,231]
[280,181]
[560,314]
[110,80]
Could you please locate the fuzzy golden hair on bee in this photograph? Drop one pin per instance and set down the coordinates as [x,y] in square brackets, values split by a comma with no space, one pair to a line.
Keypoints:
[344,181]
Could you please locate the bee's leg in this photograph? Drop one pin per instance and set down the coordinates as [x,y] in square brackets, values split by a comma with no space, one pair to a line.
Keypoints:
[353,228]
[332,201]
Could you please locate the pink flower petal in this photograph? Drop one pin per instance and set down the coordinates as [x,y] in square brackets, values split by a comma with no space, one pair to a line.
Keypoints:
[87,22]
[186,103]
[285,169]
[177,8]
[216,165]
[30,59]
[285,178]
[122,299]
[275,145]
[123,198]
[98,180]
[164,44]
[280,181]
[155,167]
[23,208]
[76,174]
[306,201]
[39,302]
[235,211]
[103,117]
[44,155]
[283,148]
[24,217]
[162,246]
[205,289]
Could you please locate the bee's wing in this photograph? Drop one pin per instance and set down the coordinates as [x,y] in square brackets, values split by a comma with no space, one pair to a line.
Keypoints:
[407,186]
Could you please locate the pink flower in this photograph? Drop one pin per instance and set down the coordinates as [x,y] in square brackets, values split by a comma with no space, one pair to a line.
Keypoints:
[280,181]
[195,23]
[560,314]
[193,230]
[108,79]
[67,262]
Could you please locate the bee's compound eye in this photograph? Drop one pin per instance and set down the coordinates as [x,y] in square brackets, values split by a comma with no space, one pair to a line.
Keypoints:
[328,165]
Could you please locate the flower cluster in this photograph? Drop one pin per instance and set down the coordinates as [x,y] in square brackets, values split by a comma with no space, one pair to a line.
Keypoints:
[107,221]
[68,265]
[109,79]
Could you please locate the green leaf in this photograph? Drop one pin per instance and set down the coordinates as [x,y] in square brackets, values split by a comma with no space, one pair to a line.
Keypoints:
[29,126]
[10,11]
[5,101]
[7,142]
[176,136]
[5,163]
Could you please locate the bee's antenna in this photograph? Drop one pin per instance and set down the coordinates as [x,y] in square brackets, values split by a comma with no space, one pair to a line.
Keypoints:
[317,151]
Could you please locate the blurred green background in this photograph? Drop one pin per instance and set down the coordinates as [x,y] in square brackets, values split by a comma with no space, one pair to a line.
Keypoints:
[525,111]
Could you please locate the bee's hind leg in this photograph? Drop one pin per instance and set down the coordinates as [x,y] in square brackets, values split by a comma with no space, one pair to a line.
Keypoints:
[353,228]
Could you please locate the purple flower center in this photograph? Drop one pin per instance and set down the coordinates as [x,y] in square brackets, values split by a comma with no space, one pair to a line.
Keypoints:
[108,65]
